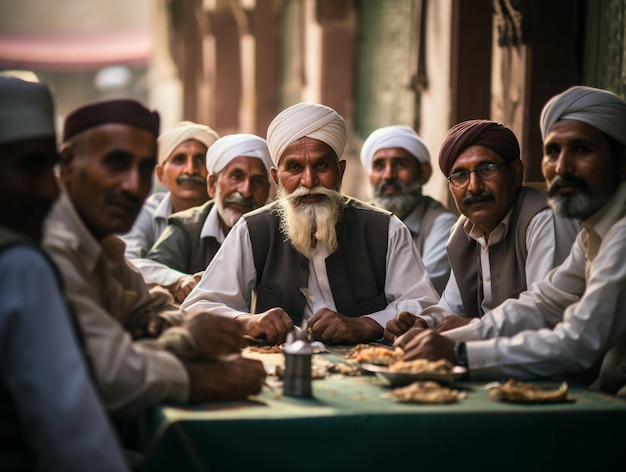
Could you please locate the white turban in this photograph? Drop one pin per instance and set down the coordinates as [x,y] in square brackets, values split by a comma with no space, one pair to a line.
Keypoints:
[26,110]
[309,120]
[599,108]
[396,136]
[171,138]
[232,146]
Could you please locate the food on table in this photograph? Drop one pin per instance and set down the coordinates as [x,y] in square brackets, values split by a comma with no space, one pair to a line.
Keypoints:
[442,366]
[524,392]
[380,355]
[268,349]
[425,392]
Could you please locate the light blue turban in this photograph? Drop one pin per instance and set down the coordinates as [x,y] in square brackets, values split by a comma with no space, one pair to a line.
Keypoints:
[599,108]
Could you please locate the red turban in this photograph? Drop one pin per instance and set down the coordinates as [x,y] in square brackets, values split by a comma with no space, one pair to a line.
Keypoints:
[127,112]
[485,133]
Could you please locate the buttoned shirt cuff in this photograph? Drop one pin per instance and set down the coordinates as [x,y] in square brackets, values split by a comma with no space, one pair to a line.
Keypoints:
[481,355]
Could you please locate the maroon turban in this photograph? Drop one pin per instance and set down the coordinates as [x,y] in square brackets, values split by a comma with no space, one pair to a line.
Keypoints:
[127,112]
[485,133]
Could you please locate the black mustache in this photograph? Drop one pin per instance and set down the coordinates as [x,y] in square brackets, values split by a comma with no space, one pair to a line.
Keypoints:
[566,181]
[392,181]
[124,198]
[482,197]
[238,199]
[190,178]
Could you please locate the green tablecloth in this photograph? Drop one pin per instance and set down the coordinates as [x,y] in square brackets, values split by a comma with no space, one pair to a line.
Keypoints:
[349,426]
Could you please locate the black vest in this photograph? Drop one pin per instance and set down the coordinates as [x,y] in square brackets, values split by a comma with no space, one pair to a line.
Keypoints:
[356,270]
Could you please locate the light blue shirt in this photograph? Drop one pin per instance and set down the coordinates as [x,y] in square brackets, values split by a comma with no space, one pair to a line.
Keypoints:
[43,370]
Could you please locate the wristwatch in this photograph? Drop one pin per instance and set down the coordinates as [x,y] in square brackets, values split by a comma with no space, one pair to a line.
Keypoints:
[460,354]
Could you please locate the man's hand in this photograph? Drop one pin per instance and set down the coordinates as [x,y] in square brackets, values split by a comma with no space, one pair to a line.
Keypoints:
[333,328]
[214,335]
[183,287]
[148,325]
[224,380]
[451,322]
[403,322]
[271,325]
[426,344]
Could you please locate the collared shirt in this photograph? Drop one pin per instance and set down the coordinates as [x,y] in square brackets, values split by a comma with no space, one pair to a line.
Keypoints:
[548,240]
[44,373]
[164,275]
[434,254]
[148,226]
[105,292]
[227,285]
[566,322]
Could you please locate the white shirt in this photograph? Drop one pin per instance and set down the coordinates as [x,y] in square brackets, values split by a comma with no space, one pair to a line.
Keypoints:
[548,240]
[434,253]
[564,323]
[227,284]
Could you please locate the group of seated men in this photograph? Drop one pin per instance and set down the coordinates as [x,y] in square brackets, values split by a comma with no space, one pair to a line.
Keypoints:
[513,287]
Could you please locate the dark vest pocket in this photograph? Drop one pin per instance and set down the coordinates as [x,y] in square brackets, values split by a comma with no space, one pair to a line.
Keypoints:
[269,297]
[369,306]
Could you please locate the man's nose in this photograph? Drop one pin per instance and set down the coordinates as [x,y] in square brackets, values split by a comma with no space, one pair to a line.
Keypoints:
[245,187]
[190,167]
[131,181]
[564,163]
[309,178]
[389,172]
[475,183]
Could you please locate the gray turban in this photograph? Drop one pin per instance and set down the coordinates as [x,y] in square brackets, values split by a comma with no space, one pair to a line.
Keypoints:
[599,108]
[393,137]
[173,137]
[26,110]
[309,120]
[232,146]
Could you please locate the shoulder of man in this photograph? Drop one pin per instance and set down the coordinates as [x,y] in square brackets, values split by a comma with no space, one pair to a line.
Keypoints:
[193,214]
[351,202]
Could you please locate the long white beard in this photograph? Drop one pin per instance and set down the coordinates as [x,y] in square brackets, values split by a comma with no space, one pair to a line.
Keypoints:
[305,224]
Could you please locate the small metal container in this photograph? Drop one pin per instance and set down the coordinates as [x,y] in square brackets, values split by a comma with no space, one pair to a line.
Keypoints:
[297,379]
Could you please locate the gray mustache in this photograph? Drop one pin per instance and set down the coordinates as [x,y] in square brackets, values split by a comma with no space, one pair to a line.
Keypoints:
[190,178]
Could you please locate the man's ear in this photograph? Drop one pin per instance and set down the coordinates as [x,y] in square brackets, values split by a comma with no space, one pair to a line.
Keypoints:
[211,182]
[342,169]
[67,163]
[426,171]
[517,168]
[274,173]
[160,175]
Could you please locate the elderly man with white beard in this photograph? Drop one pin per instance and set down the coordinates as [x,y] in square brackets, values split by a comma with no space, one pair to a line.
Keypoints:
[315,256]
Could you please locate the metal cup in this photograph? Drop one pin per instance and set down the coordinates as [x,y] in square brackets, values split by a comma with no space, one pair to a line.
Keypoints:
[297,379]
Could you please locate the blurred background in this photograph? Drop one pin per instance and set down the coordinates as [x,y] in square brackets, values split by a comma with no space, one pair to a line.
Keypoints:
[234,64]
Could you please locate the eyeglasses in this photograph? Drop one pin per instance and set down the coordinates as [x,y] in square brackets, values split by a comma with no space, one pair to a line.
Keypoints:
[461,178]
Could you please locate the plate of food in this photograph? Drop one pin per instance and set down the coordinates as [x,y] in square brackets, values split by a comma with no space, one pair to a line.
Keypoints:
[402,373]
[374,354]
[514,391]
